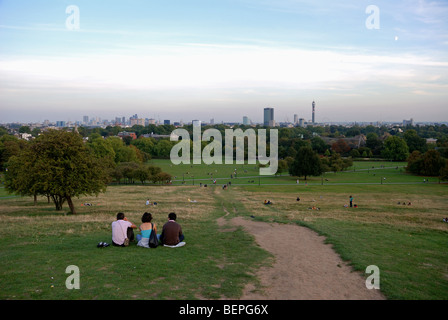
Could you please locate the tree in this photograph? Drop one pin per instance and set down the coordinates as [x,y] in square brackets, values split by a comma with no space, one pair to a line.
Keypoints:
[444,171]
[127,170]
[163,148]
[431,163]
[161,177]
[59,165]
[142,173]
[318,145]
[415,162]
[307,163]
[10,146]
[414,142]
[335,163]
[20,176]
[123,153]
[395,148]
[145,145]
[102,148]
[340,146]
[355,153]
[282,166]
[374,143]
[24,129]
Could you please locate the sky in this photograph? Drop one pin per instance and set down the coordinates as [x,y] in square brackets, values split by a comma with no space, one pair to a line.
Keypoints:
[224,59]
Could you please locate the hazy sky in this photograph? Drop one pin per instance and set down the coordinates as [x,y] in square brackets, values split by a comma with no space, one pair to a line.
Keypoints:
[224,59]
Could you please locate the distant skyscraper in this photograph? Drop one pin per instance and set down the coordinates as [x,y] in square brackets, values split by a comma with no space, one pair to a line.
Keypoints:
[137,121]
[85,119]
[314,106]
[245,120]
[296,119]
[268,116]
[166,122]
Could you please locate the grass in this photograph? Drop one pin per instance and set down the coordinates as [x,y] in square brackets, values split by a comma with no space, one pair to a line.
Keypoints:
[39,243]
[407,242]
[362,172]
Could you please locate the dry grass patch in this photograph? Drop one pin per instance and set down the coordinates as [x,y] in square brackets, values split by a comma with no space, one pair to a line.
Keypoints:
[372,207]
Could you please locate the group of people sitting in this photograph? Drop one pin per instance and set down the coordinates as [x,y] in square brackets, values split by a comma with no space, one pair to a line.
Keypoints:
[404,203]
[267,202]
[123,231]
[149,203]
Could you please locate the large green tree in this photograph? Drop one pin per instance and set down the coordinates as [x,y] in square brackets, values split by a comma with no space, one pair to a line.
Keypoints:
[306,163]
[415,142]
[429,163]
[57,164]
[395,148]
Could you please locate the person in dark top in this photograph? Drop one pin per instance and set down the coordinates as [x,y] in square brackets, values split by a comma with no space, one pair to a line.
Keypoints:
[172,231]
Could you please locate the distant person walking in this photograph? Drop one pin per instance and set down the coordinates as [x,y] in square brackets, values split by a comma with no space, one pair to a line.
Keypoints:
[351,201]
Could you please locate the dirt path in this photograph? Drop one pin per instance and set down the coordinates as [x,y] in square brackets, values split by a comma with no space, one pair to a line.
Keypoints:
[305,268]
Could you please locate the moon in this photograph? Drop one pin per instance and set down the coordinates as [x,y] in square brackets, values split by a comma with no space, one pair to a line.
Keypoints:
[396,38]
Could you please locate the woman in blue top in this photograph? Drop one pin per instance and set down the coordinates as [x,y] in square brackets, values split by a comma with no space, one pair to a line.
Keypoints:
[145,229]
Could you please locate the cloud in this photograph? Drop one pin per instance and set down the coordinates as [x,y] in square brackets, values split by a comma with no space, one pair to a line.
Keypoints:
[197,65]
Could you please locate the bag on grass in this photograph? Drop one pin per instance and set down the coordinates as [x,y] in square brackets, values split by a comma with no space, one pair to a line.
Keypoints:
[153,241]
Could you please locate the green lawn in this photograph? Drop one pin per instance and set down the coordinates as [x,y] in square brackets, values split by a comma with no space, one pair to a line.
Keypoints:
[371,172]
[38,244]
[407,243]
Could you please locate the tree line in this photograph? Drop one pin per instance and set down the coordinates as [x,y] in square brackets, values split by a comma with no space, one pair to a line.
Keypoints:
[60,165]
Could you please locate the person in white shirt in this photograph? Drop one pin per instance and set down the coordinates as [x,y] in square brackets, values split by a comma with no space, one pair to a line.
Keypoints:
[122,229]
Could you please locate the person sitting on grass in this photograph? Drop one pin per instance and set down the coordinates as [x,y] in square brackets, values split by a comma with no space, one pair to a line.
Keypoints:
[171,232]
[122,230]
[145,228]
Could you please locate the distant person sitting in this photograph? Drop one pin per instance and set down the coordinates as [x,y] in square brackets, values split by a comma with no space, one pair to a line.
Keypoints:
[122,231]
[172,231]
[298,198]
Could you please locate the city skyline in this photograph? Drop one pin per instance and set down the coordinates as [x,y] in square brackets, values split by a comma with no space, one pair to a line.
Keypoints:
[187,60]
[268,120]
